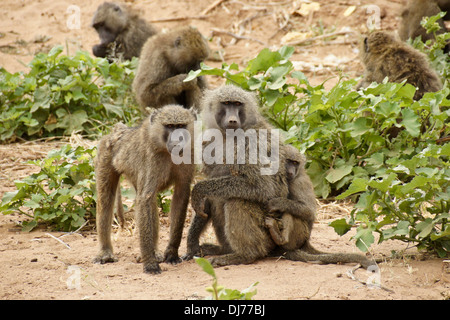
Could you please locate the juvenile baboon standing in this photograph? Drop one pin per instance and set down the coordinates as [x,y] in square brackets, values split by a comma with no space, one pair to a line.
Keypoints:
[165,61]
[384,56]
[122,32]
[144,155]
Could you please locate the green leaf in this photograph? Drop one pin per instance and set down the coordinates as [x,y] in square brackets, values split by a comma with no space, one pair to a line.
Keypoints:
[384,184]
[206,266]
[357,185]
[425,227]
[340,226]
[364,238]
[411,122]
[263,61]
[359,127]
[337,174]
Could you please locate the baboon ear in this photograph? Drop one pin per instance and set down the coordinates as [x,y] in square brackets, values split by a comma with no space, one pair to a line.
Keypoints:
[153,115]
[194,113]
[405,13]
[177,42]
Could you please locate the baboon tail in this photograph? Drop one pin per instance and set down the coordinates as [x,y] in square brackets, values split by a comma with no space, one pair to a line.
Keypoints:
[328,258]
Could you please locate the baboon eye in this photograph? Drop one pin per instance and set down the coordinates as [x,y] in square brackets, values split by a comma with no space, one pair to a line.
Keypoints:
[226,103]
[238,103]
[169,126]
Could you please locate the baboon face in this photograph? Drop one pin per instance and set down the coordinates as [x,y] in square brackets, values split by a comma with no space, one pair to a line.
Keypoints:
[230,107]
[173,126]
[188,50]
[294,159]
[291,169]
[230,114]
[109,21]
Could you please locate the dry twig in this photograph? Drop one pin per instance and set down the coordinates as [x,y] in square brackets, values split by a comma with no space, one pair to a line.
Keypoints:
[216,31]
[59,240]
[212,6]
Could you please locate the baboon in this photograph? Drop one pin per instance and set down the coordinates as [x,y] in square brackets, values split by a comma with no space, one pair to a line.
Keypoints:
[144,155]
[165,61]
[233,195]
[412,16]
[122,32]
[384,56]
[297,217]
[298,210]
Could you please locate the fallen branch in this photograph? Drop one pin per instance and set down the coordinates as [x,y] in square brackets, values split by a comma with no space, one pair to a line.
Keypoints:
[236,36]
[212,6]
[59,240]
[179,18]
[351,275]
[323,36]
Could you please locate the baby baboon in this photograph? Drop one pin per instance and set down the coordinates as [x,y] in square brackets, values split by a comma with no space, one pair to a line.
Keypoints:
[298,210]
[412,16]
[144,155]
[164,64]
[237,191]
[297,217]
[122,32]
[384,56]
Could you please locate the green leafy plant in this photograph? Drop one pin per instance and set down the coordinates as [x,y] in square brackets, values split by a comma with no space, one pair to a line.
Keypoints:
[219,292]
[62,94]
[62,192]
[163,201]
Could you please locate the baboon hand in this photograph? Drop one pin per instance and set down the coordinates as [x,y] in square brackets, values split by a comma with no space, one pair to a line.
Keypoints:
[198,202]
[276,205]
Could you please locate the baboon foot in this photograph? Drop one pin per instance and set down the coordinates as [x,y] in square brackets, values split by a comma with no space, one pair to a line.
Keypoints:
[152,268]
[105,256]
[171,257]
[188,256]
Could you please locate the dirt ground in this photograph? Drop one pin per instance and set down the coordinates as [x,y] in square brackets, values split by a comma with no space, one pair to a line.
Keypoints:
[36,265]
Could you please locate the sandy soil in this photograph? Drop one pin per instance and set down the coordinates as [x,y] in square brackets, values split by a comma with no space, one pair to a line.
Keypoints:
[37,266]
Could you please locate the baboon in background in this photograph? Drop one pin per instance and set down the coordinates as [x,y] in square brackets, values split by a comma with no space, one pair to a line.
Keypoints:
[384,56]
[122,32]
[143,155]
[165,61]
[297,217]
[233,195]
[412,16]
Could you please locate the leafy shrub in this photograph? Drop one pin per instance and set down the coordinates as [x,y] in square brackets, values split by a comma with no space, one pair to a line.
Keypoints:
[62,192]
[62,94]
